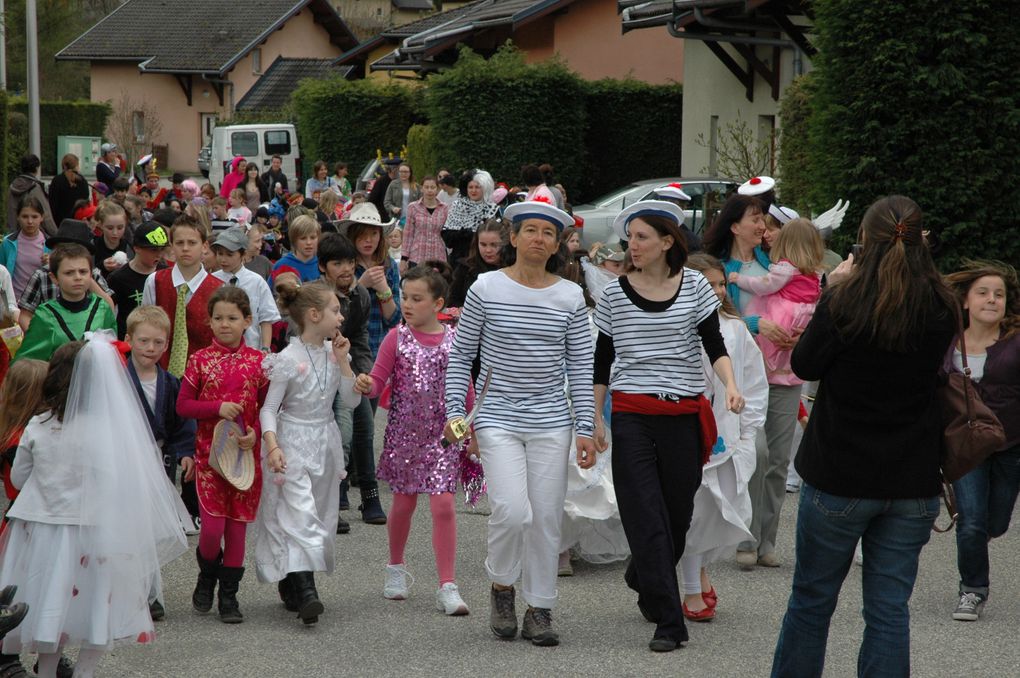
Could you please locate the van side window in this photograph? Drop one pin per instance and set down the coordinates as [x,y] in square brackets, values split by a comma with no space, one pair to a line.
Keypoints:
[244,143]
[277,142]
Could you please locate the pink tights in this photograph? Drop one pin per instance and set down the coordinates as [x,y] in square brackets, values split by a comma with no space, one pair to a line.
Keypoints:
[444,531]
[216,530]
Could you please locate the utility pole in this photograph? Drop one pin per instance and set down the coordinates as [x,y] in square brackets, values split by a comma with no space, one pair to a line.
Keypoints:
[32,41]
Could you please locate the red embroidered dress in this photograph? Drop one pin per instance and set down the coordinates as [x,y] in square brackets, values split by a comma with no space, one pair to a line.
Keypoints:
[199,333]
[216,375]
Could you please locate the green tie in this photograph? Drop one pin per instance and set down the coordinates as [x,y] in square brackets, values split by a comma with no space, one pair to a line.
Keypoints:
[179,349]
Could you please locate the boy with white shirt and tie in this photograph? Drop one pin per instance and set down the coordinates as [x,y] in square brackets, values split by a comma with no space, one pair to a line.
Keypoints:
[229,249]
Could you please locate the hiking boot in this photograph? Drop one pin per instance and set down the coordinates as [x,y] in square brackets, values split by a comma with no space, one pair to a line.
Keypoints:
[662,644]
[65,669]
[7,595]
[503,614]
[371,510]
[230,582]
[11,616]
[285,587]
[538,627]
[448,600]
[342,526]
[396,585]
[202,598]
[970,606]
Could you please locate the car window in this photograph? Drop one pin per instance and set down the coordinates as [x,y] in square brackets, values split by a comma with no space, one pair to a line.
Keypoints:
[244,143]
[614,198]
[277,142]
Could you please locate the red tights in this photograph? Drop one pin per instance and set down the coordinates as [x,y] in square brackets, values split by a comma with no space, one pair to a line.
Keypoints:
[444,531]
[226,531]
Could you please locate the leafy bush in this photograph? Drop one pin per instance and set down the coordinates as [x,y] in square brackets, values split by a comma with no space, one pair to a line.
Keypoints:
[921,99]
[795,154]
[63,118]
[347,120]
[421,151]
[502,113]
[633,133]
[3,154]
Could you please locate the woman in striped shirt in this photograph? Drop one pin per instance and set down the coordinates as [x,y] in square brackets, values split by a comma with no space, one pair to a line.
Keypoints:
[652,325]
[531,329]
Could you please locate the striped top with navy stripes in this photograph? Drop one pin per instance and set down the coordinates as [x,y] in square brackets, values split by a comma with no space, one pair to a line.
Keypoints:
[532,339]
[657,345]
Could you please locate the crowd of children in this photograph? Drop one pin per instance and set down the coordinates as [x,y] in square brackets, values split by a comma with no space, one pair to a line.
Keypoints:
[248,343]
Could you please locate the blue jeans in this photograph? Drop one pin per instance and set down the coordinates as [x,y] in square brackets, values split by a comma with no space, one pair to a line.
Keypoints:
[892,531]
[984,499]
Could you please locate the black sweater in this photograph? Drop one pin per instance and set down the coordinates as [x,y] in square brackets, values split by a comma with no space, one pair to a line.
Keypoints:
[875,430]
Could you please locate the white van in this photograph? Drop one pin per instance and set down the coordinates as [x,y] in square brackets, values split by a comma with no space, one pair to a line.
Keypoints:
[256,143]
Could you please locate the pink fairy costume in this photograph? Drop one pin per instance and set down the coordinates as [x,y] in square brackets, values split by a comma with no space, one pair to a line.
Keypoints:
[787,297]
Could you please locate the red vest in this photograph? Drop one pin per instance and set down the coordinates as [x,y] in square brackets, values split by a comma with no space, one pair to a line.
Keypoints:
[199,333]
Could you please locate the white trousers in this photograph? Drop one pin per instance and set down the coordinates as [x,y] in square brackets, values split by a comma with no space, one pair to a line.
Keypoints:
[526,476]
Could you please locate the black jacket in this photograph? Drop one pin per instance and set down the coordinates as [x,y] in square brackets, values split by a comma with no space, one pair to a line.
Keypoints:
[354,307]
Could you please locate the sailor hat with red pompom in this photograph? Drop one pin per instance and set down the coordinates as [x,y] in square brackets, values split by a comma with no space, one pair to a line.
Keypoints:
[757,186]
[540,207]
[674,191]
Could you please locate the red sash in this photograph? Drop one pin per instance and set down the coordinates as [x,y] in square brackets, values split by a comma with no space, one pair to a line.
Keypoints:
[639,403]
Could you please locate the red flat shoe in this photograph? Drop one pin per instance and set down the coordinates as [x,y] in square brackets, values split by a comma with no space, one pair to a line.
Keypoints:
[700,616]
[710,598]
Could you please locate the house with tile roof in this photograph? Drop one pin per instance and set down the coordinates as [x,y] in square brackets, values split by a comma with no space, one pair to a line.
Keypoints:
[586,34]
[197,67]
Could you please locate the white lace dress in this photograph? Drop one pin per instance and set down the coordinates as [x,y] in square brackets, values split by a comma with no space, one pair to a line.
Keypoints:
[297,516]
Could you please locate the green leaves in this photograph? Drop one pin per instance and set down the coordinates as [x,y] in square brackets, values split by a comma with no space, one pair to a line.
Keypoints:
[63,118]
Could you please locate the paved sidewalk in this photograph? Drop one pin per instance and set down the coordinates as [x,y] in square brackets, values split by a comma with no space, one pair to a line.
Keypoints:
[362,634]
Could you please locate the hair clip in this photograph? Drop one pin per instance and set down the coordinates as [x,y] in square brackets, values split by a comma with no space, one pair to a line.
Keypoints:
[901,231]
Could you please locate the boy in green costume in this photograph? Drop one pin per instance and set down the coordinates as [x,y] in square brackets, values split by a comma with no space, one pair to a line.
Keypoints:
[72,314]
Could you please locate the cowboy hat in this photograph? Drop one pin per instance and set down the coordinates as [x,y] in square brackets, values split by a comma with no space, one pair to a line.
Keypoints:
[366,213]
[226,457]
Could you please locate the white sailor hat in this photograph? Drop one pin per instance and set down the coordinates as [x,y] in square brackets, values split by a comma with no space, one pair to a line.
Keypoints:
[674,191]
[642,208]
[783,215]
[757,186]
[539,208]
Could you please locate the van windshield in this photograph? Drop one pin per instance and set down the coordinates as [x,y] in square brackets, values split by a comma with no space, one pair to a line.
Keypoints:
[244,143]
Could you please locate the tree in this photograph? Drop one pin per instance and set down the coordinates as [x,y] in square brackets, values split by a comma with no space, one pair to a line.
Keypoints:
[60,23]
[739,152]
[921,99]
[134,126]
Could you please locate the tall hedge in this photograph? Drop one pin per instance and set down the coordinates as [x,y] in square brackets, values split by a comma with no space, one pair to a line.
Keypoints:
[633,133]
[348,120]
[3,155]
[64,118]
[922,99]
[501,113]
[795,145]
[421,151]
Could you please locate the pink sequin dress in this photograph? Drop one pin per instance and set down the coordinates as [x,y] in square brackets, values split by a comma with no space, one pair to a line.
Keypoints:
[413,458]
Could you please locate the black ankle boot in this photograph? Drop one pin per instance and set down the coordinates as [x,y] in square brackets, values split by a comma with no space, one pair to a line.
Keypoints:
[202,598]
[286,589]
[230,581]
[371,510]
[306,597]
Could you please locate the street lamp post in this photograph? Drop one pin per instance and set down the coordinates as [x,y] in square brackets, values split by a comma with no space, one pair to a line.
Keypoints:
[32,41]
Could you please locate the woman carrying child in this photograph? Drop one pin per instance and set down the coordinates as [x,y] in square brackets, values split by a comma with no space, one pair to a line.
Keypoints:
[304,463]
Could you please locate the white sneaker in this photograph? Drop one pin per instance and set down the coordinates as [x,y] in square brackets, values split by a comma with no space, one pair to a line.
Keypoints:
[448,600]
[396,582]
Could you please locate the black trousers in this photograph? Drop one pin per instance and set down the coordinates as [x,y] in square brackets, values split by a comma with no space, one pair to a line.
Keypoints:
[656,471]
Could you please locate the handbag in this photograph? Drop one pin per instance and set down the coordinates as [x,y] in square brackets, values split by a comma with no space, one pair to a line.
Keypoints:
[971,431]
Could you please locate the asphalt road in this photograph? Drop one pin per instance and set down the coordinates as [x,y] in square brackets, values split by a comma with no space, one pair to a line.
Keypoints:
[602,633]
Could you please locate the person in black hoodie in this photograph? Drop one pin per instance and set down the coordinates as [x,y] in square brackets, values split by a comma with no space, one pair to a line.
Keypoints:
[29,183]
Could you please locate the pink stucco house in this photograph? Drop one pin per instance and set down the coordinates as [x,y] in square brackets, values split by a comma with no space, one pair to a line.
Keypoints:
[196,59]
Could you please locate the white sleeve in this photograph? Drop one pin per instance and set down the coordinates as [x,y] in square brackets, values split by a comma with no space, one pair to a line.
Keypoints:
[8,289]
[348,396]
[24,459]
[268,311]
[271,405]
[149,290]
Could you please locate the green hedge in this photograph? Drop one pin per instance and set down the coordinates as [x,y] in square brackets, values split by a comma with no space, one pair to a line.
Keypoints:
[63,118]
[348,120]
[421,151]
[795,147]
[4,181]
[501,113]
[633,133]
[930,110]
